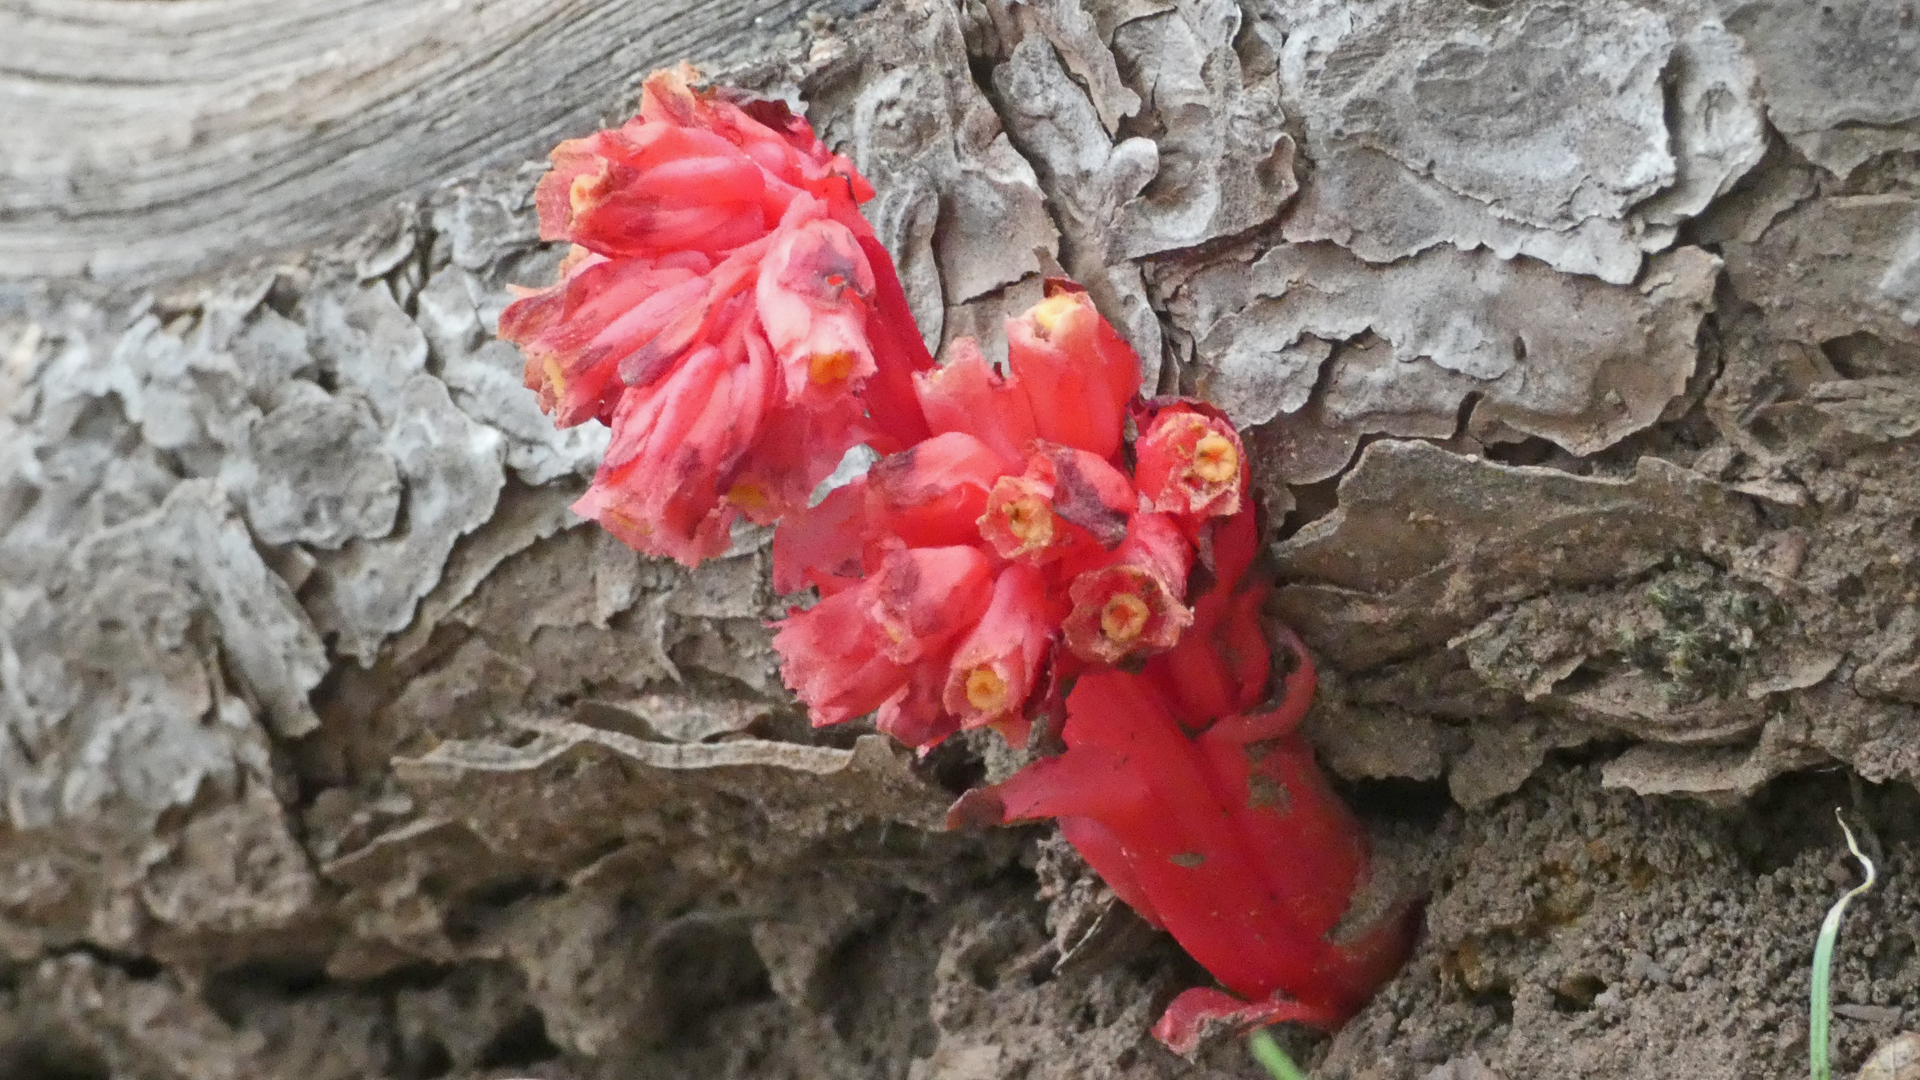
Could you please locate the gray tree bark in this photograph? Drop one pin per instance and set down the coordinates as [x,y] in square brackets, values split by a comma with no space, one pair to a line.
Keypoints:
[1579,344]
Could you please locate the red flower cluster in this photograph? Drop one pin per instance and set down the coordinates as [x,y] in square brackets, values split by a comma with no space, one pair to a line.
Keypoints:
[1015,543]
[725,309]
[1012,543]
[1023,548]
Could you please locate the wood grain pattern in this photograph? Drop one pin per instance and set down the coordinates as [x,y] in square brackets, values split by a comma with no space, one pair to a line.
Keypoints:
[140,138]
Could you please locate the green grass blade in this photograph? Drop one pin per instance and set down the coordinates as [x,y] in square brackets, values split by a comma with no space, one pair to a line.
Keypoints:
[1268,1053]
[1822,1012]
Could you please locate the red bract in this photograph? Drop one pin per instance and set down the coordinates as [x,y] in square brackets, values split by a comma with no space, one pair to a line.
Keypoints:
[726,310]
[1230,839]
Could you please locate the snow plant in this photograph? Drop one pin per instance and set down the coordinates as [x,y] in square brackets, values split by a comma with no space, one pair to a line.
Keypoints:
[1038,549]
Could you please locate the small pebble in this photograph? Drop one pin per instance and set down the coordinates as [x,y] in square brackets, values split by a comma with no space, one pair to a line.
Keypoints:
[1897,1059]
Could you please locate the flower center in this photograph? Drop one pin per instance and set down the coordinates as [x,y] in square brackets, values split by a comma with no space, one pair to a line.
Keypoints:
[829,368]
[1048,313]
[748,496]
[1124,618]
[986,690]
[584,193]
[1214,458]
[1031,522]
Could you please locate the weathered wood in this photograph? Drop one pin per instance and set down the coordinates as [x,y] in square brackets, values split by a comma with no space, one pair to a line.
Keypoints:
[146,137]
[1585,333]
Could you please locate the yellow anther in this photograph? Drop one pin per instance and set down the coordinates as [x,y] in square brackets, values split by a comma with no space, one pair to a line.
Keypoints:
[830,368]
[1215,460]
[1124,618]
[584,193]
[1031,522]
[748,496]
[987,691]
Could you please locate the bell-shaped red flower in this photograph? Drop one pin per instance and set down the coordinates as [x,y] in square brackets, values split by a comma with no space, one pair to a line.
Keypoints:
[814,293]
[1077,371]
[1132,605]
[1190,461]
[1068,507]
[997,667]
[857,650]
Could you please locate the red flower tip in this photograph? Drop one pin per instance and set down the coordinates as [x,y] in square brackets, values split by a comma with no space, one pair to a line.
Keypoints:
[923,598]
[1078,373]
[1132,607]
[651,189]
[1191,463]
[576,332]
[675,446]
[966,394]
[779,142]
[831,660]
[1122,611]
[850,653]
